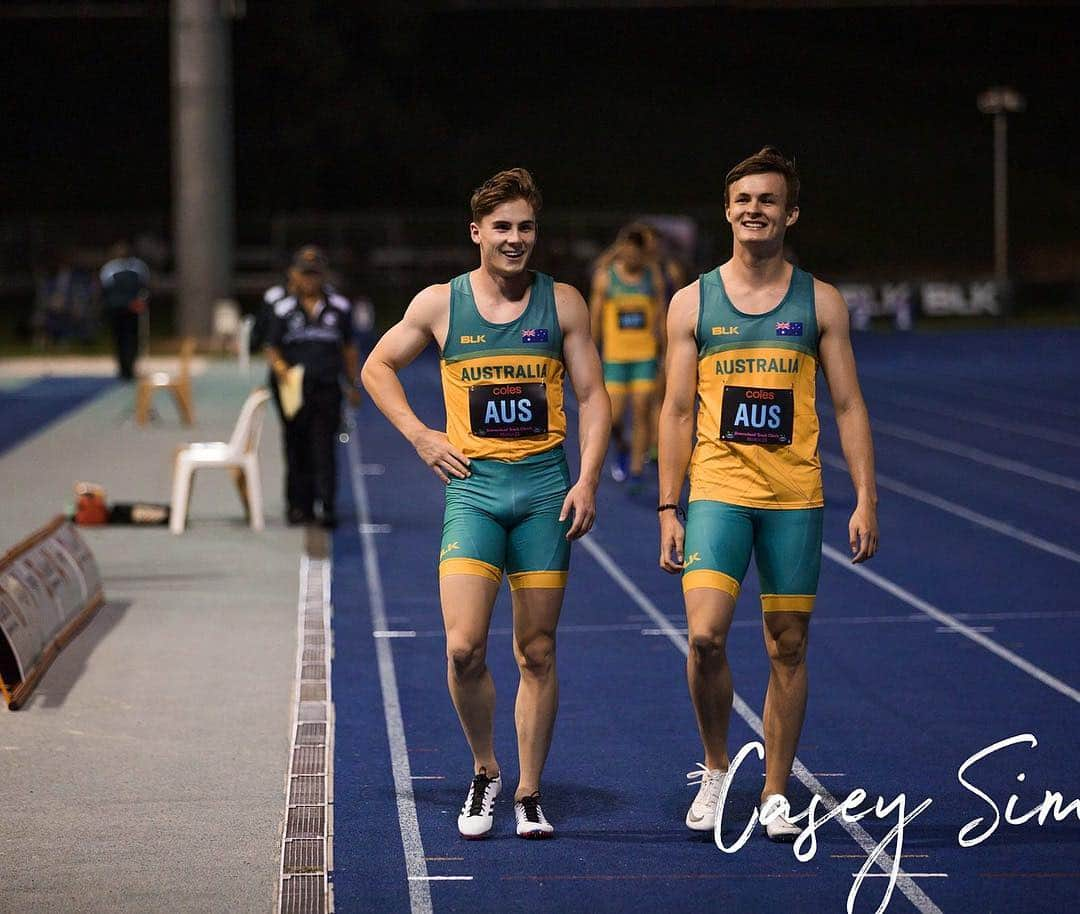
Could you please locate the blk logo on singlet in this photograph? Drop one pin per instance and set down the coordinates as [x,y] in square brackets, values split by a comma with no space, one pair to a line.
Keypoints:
[472,340]
[725,331]
[508,410]
[757,415]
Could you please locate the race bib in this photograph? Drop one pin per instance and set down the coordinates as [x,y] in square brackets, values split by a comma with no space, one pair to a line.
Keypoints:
[509,410]
[631,320]
[757,415]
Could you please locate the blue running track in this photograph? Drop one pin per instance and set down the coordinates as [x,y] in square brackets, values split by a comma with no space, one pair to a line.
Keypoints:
[960,634]
[29,408]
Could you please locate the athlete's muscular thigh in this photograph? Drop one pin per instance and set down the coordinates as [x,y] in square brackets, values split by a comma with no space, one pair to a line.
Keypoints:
[467,601]
[536,615]
[709,612]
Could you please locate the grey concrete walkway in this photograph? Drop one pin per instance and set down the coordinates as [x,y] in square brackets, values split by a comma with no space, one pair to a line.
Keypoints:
[147,772]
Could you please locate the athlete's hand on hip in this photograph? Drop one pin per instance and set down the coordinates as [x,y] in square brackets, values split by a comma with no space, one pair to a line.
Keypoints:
[580,501]
[863,533]
[438,453]
[672,536]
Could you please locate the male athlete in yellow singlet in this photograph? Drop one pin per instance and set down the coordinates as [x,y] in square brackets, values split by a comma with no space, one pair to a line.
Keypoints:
[745,341]
[627,310]
[507,337]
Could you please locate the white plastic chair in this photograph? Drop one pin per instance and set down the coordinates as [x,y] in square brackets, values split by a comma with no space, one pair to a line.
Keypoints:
[240,454]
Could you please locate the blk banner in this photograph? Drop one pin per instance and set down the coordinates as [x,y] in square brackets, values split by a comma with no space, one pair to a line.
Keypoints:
[50,587]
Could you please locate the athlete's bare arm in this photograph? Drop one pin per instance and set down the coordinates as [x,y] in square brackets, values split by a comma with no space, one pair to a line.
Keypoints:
[427,318]
[677,420]
[852,419]
[594,408]
[596,303]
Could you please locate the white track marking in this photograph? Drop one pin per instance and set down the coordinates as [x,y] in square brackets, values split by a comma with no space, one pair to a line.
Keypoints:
[415,864]
[911,891]
[952,622]
[972,453]
[920,875]
[979,418]
[978,389]
[895,485]
[442,878]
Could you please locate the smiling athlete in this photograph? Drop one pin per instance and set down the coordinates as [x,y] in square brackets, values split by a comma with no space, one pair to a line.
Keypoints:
[507,336]
[745,341]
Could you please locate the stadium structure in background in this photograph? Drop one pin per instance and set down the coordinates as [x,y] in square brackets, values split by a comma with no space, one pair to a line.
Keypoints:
[203,249]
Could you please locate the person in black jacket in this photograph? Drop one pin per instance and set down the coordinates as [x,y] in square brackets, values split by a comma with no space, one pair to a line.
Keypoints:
[312,327]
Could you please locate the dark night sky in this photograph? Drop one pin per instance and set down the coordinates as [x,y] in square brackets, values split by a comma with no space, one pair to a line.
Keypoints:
[351,106]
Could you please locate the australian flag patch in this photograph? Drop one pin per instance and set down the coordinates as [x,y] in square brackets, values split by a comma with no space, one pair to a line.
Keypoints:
[539,335]
[789,328]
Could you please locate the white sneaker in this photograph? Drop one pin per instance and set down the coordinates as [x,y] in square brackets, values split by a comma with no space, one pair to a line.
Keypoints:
[702,813]
[773,815]
[475,819]
[530,818]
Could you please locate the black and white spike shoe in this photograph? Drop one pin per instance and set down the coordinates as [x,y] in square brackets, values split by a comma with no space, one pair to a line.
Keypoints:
[476,815]
[530,818]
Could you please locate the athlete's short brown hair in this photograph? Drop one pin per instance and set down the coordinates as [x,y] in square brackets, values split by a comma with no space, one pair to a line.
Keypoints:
[639,234]
[512,184]
[767,160]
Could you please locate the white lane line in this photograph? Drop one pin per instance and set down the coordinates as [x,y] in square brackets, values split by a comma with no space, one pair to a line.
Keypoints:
[974,454]
[393,633]
[913,893]
[945,630]
[920,875]
[895,485]
[415,864]
[979,418]
[447,878]
[977,388]
[951,621]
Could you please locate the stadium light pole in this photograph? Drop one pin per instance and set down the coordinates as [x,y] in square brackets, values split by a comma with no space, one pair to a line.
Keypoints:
[1000,101]
[203,200]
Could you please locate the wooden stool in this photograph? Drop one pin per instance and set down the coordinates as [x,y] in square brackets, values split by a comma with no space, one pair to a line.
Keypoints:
[179,387]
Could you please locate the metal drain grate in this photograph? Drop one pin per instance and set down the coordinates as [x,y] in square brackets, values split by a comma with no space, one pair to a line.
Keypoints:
[309,760]
[306,822]
[303,895]
[312,710]
[311,735]
[313,691]
[307,791]
[305,844]
[304,856]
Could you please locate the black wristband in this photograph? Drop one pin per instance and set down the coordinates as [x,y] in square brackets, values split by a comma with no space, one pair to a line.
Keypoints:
[679,512]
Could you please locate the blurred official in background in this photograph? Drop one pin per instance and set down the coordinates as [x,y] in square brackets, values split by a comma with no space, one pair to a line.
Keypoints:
[310,347]
[125,291]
